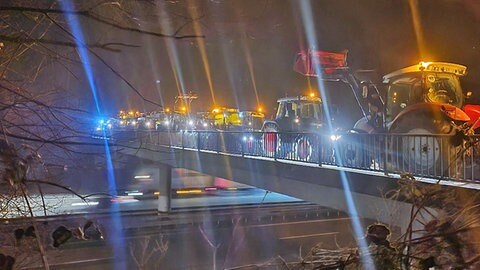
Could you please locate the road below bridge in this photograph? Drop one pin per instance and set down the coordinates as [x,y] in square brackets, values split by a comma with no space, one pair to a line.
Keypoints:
[200,239]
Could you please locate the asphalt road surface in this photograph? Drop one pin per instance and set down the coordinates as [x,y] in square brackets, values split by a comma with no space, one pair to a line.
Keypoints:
[62,204]
[201,239]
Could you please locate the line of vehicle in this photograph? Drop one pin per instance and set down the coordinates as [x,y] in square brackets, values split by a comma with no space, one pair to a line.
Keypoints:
[268,207]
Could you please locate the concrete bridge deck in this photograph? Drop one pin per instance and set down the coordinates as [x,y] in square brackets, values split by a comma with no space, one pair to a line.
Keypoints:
[327,185]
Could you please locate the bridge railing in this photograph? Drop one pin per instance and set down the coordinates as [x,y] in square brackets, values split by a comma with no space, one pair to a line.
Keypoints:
[432,156]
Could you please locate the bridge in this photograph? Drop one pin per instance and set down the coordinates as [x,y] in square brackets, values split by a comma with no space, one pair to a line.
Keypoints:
[319,168]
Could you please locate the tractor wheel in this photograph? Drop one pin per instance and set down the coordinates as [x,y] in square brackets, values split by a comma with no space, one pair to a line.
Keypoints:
[303,148]
[422,147]
[352,152]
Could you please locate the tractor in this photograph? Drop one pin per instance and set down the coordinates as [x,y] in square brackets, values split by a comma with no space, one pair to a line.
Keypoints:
[251,120]
[239,128]
[231,119]
[421,108]
[128,119]
[226,118]
[295,115]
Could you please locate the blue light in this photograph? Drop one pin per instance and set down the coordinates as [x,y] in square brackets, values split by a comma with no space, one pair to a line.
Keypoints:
[74,24]
[308,22]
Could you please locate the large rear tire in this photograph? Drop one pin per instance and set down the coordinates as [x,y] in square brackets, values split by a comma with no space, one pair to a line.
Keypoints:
[423,146]
[353,152]
[303,148]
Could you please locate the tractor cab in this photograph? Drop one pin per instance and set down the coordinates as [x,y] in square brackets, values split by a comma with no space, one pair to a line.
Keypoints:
[298,114]
[226,118]
[427,82]
[204,121]
[252,121]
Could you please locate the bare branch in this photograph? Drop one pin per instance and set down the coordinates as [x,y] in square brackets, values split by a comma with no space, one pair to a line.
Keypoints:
[104,46]
[90,15]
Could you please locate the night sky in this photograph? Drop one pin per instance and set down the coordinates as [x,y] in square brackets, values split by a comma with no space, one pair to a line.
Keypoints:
[265,35]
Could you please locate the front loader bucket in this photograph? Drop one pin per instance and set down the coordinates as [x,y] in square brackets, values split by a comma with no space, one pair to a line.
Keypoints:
[310,62]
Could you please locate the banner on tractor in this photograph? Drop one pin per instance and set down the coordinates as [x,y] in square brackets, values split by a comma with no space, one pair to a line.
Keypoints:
[307,62]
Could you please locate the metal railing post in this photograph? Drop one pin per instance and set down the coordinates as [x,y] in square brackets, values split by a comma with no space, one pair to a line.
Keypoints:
[183,135]
[241,144]
[472,152]
[385,154]
[198,141]
[319,143]
[275,144]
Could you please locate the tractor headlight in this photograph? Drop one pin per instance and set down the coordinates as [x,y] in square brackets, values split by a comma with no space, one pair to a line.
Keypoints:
[247,139]
[334,137]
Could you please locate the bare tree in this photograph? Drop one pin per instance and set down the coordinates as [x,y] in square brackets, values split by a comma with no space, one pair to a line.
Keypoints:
[212,245]
[42,116]
[143,251]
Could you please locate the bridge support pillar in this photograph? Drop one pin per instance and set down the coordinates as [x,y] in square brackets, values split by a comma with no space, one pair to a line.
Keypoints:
[164,188]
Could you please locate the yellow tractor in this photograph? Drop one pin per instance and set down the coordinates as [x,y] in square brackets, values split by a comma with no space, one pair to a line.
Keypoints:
[226,118]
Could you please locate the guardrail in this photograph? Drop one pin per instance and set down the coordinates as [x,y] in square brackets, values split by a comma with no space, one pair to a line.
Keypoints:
[431,156]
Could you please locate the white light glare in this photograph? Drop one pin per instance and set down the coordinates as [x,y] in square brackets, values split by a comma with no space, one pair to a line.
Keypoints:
[135,193]
[142,176]
[335,137]
[85,204]
[245,138]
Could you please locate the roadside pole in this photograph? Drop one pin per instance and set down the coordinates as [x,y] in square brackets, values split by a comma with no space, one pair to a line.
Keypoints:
[165,187]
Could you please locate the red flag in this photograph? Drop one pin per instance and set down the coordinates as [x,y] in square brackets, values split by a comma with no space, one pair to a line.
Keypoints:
[307,61]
